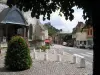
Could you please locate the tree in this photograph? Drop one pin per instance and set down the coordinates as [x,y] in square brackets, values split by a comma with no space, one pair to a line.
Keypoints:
[61,30]
[43,7]
[67,37]
[18,54]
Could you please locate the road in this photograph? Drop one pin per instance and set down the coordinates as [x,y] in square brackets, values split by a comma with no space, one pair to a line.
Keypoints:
[88,54]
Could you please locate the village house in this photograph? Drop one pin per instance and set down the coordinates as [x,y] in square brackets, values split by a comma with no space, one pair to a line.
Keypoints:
[37,33]
[15,22]
[82,35]
[40,34]
[89,31]
[12,22]
[77,36]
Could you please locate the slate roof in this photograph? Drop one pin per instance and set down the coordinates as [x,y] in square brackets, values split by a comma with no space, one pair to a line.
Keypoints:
[11,15]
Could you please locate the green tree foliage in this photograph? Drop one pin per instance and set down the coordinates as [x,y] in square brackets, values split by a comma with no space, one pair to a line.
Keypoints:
[51,30]
[46,7]
[18,54]
[67,37]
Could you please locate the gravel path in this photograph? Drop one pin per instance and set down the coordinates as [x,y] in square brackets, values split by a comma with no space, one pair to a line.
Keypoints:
[50,67]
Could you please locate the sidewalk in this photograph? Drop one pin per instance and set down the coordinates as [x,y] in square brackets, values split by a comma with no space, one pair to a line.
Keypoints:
[50,67]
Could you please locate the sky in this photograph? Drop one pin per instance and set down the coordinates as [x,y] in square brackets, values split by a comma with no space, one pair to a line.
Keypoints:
[60,22]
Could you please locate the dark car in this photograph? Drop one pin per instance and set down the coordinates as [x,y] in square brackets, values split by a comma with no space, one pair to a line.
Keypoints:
[82,46]
[70,45]
[91,46]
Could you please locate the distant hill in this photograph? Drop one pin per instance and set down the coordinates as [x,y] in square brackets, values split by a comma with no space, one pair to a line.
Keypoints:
[51,30]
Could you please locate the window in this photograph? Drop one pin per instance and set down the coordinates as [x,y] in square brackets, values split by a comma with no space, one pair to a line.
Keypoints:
[85,42]
[90,42]
[1,34]
[91,32]
[80,42]
[30,31]
[20,31]
[88,32]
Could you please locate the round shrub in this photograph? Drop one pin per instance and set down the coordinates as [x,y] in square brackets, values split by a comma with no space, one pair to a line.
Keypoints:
[48,47]
[18,54]
[43,48]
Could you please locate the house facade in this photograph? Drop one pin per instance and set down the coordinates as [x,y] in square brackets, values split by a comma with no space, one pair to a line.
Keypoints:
[83,35]
[81,38]
[89,31]
[37,34]
[78,36]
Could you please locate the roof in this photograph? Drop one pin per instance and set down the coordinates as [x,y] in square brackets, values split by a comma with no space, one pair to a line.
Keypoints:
[86,27]
[13,16]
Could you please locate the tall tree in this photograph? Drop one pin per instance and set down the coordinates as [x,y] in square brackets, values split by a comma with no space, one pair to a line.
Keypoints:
[43,7]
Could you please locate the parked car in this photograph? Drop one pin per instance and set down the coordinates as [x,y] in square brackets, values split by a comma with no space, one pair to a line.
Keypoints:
[78,46]
[82,46]
[70,44]
[64,43]
[91,46]
[86,46]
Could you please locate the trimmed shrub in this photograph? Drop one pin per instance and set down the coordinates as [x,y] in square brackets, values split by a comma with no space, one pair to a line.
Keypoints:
[43,48]
[18,54]
[48,47]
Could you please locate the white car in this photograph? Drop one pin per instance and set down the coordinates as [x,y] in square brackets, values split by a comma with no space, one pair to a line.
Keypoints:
[64,43]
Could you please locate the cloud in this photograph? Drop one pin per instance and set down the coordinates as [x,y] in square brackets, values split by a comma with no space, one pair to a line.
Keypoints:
[58,21]
[28,17]
[61,23]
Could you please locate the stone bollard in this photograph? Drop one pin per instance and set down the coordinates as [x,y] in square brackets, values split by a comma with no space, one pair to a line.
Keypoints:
[74,59]
[54,51]
[82,63]
[58,57]
[81,60]
[63,53]
[40,50]
[31,54]
[46,56]
[34,50]
[35,55]
[47,51]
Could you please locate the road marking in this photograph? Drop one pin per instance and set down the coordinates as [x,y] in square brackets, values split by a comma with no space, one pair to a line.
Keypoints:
[90,53]
[85,55]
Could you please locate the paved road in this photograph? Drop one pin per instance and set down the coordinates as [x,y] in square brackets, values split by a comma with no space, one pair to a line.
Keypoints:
[88,54]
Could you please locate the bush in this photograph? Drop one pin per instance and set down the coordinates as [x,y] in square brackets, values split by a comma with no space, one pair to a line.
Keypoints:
[18,54]
[43,48]
[48,47]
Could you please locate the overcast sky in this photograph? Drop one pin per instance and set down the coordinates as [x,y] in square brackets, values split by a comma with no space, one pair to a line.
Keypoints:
[61,23]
